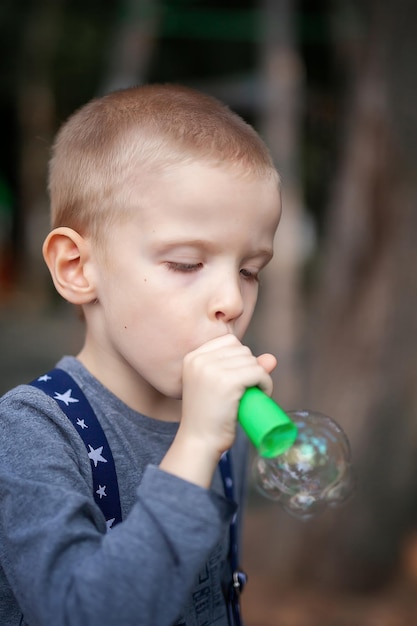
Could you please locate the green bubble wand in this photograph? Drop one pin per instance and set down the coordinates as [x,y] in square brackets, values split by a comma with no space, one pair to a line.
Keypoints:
[268,427]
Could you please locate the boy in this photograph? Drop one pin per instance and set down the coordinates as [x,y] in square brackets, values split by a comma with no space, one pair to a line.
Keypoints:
[164,208]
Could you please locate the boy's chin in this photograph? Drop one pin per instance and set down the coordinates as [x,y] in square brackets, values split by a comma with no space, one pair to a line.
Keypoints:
[177,393]
[172,392]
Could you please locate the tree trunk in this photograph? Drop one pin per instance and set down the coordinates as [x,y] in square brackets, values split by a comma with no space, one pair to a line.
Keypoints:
[36,117]
[279,311]
[133,44]
[363,326]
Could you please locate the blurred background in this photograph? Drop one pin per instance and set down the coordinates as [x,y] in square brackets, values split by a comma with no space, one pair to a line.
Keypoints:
[331,85]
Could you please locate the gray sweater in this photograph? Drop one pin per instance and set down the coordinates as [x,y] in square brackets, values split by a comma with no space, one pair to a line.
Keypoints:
[165,564]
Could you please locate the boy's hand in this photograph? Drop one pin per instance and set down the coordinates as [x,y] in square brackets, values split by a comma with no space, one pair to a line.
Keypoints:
[215,376]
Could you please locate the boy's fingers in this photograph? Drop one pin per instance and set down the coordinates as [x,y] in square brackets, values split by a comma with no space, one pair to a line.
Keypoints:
[268,362]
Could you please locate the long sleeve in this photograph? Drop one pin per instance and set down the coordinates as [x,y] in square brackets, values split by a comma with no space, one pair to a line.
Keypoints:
[62,566]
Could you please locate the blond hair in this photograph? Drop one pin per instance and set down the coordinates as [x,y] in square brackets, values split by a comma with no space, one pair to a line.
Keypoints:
[138,131]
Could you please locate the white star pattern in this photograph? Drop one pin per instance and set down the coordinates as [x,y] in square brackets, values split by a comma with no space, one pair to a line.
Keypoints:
[95,455]
[44,378]
[101,491]
[65,397]
[68,393]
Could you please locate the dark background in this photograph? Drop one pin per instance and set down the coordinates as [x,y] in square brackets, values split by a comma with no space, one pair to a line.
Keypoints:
[331,85]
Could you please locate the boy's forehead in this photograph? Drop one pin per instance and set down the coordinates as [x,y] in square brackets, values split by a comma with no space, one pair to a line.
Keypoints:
[202,182]
[204,185]
[195,201]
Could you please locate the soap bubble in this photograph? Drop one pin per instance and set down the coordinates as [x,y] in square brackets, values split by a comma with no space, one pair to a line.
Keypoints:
[314,473]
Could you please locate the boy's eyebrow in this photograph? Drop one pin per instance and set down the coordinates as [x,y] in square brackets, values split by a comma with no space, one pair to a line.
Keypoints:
[210,246]
[184,243]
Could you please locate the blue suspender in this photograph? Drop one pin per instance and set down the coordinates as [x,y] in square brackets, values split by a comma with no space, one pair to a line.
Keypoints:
[72,401]
[239,578]
[62,387]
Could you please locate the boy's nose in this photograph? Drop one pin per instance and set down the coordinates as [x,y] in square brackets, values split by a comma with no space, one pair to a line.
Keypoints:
[227,301]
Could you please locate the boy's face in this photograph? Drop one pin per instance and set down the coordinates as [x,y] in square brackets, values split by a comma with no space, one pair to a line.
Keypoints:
[181,270]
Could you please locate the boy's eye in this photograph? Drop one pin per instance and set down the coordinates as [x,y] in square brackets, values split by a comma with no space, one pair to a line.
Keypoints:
[184,267]
[249,275]
[194,267]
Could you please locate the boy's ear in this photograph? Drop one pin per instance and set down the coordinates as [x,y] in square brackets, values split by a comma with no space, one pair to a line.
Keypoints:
[68,257]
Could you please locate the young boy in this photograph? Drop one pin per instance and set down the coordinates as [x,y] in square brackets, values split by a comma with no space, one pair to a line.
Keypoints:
[164,209]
